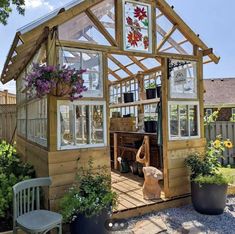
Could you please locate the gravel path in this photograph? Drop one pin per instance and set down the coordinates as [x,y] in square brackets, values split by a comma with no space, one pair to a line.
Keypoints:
[186,220]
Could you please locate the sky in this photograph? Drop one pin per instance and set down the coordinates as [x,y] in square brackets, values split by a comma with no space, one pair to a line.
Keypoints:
[211,19]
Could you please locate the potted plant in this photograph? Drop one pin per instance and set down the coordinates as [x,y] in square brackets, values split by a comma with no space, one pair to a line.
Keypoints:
[151,91]
[55,80]
[150,124]
[128,97]
[208,185]
[88,204]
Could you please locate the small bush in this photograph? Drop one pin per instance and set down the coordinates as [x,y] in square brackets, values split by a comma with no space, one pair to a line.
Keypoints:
[12,171]
[218,179]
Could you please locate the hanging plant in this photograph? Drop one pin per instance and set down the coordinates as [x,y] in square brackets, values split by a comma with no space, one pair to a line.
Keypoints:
[55,80]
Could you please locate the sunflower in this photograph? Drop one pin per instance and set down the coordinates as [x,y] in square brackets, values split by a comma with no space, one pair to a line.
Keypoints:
[228,144]
[217,144]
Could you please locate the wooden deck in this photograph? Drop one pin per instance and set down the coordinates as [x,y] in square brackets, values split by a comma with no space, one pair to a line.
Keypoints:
[130,197]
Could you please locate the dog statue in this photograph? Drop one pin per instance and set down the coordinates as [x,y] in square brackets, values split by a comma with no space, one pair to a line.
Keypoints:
[151,188]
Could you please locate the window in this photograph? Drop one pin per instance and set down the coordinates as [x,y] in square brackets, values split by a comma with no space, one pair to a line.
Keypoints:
[81,124]
[37,121]
[89,61]
[183,79]
[137,26]
[184,120]
[233,114]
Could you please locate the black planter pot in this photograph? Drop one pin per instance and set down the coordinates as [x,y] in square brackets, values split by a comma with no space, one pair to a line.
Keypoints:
[151,93]
[159,88]
[209,199]
[128,97]
[124,166]
[94,224]
[150,126]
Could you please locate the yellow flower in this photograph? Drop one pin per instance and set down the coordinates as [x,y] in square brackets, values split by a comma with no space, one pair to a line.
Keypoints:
[228,144]
[217,144]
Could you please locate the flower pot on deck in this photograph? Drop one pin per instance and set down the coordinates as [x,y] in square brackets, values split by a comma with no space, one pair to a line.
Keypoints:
[209,199]
[128,97]
[94,224]
[151,93]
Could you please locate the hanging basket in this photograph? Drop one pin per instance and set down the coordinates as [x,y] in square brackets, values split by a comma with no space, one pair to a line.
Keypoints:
[62,89]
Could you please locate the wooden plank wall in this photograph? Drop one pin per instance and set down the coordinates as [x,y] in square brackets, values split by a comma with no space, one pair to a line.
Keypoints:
[179,181]
[7,122]
[227,130]
[63,167]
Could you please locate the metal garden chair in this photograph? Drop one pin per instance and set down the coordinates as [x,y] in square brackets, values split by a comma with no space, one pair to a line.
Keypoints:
[26,208]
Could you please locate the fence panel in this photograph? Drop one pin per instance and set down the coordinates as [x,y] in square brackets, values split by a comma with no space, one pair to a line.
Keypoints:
[227,130]
[7,122]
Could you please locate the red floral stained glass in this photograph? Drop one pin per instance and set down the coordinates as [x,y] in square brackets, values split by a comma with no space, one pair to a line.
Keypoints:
[140,13]
[137,29]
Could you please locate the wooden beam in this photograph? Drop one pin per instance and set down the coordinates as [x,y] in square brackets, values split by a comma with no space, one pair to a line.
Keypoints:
[119,64]
[171,46]
[207,52]
[137,62]
[166,37]
[15,71]
[171,40]
[101,27]
[166,9]
[114,74]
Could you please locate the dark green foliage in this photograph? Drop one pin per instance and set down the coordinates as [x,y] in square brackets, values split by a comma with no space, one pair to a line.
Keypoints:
[90,196]
[6,9]
[218,179]
[12,171]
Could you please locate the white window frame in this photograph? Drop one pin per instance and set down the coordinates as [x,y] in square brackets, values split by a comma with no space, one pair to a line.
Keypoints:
[194,96]
[88,93]
[90,103]
[188,103]
[150,51]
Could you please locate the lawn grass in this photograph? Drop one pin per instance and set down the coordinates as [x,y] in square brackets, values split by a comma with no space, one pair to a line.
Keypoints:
[228,172]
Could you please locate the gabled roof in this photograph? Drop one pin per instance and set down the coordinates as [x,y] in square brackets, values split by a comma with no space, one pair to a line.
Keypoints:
[219,92]
[29,38]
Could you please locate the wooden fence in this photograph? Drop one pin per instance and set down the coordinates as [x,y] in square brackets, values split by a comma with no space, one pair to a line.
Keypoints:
[7,122]
[227,130]
[7,98]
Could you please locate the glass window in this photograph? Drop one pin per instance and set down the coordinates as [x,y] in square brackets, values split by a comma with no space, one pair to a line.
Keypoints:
[184,120]
[137,26]
[37,121]
[89,61]
[183,79]
[81,124]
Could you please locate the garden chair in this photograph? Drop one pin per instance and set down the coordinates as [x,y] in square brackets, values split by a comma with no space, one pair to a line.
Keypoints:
[26,208]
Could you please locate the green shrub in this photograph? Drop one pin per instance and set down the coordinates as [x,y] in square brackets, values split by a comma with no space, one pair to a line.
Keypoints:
[12,171]
[218,179]
[90,196]
[151,86]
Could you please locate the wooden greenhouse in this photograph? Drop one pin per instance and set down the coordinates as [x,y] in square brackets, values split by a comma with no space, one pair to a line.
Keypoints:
[124,45]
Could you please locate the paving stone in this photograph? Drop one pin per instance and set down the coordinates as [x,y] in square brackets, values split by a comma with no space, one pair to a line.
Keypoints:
[151,225]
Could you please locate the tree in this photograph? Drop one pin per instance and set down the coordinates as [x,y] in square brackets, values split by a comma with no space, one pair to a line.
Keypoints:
[6,9]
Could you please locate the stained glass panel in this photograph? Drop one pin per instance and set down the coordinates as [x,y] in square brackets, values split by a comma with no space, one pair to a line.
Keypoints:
[137,26]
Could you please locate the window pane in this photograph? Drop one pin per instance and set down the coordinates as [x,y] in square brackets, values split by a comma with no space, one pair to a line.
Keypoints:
[174,121]
[184,121]
[66,125]
[183,79]
[97,128]
[193,120]
[137,26]
[82,123]
[89,61]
